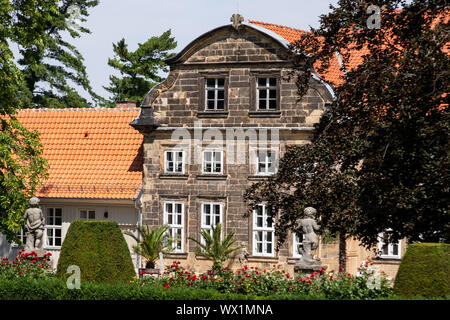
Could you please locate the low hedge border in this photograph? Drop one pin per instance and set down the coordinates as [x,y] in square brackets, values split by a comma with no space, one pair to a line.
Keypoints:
[56,289]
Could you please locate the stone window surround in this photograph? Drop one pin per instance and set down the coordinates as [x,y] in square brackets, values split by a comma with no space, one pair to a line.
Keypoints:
[221,173]
[203,215]
[181,226]
[183,161]
[390,255]
[266,162]
[202,112]
[264,229]
[254,112]
[254,149]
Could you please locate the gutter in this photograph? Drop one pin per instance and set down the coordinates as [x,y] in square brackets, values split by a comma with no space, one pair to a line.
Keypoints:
[138,206]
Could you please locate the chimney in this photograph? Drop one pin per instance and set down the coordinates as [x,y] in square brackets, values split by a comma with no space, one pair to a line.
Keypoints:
[126,104]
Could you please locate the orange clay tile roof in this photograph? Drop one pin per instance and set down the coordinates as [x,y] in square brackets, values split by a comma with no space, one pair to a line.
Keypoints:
[332,74]
[92,152]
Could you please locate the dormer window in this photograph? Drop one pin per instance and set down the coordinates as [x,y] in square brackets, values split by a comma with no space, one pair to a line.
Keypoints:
[266,93]
[215,94]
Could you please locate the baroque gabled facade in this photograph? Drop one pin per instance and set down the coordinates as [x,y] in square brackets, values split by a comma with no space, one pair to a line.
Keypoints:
[204,141]
[204,130]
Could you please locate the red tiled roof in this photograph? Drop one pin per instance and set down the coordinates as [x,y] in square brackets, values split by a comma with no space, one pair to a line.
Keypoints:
[332,74]
[92,152]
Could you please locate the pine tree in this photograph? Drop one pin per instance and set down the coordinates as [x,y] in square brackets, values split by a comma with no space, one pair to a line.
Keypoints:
[140,70]
[52,66]
[21,163]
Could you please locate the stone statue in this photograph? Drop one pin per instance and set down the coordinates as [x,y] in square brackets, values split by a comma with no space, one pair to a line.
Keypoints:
[310,241]
[243,253]
[35,224]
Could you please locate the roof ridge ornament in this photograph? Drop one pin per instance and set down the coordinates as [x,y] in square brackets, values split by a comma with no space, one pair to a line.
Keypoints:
[237,19]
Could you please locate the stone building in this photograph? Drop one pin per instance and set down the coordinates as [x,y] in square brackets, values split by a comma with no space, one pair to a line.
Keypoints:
[204,142]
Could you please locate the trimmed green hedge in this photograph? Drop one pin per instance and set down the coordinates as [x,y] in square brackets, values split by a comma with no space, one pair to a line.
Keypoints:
[424,271]
[99,249]
[56,289]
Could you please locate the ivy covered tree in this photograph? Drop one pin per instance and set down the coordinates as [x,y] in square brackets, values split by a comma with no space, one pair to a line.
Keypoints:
[140,70]
[379,158]
[52,65]
[21,162]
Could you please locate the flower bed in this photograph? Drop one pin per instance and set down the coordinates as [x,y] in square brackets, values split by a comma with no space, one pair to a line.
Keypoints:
[266,282]
[26,265]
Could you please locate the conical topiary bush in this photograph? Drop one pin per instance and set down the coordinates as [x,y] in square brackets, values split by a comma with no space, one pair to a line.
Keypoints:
[99,249]
[424,271]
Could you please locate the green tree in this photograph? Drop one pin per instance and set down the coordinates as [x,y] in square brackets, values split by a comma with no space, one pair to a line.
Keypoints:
[140,70]
[214,248]
[52,65]
[21,162]
[154,241]
[380,157]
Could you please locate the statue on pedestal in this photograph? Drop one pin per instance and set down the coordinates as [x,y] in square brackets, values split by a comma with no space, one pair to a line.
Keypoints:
[310,242]
[35,225]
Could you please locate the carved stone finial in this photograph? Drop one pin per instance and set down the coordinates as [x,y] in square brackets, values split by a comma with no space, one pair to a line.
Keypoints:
[237,19]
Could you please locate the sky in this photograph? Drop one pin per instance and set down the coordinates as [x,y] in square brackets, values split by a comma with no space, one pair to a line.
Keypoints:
[138,20]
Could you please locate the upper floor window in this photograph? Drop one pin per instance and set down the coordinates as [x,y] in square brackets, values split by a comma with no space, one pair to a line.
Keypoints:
[266,162]
[87,214]
[215,94]
[212,162]
[174,218]
[54,227]
[266,93]
[387,249]
[263,232]
[174,161]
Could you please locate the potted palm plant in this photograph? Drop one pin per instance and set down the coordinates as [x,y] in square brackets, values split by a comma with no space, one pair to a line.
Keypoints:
[214,248]
[152,242]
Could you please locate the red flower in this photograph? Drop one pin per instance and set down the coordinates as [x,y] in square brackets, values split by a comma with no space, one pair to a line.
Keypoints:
[142,272]
[20,272]
[331,277]
[341,269]
[166,285]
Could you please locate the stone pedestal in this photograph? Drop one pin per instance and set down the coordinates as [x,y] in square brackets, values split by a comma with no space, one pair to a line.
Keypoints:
[39,252]
[307,268]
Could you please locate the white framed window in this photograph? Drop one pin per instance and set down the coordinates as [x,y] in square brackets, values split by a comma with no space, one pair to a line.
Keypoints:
[174,161]
[263,233]
[265,162]
[86,214]
[174,218]
[386,249]
[211,216]
[53,228]
[22,236]
[297,245]
[215,94]
[266,91]
[212,162]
